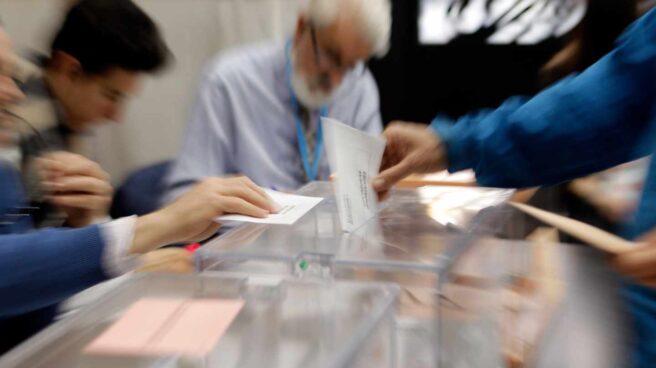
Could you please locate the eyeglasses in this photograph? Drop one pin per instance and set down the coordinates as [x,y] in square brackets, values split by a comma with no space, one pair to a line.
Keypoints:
[325,60]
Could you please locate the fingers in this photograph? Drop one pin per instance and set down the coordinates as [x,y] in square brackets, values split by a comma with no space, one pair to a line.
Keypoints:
[205,234]
[649,238]
[251,196]
[78,185]
[639,264]
[70,164]
[81,201]
[80,192]
[386,179]
[75,181]
[242,188]
[49,170]
[270,205]
[233,196]
[239,206]
[400,125]
[249,183]
[404,131]
[411,148]
[388,161]
[382,196]
[395,164]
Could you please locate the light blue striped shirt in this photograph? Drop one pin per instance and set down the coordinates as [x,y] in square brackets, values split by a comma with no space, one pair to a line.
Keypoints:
[243,121]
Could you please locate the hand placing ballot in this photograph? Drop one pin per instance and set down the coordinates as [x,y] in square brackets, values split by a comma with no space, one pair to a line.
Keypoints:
[290,209]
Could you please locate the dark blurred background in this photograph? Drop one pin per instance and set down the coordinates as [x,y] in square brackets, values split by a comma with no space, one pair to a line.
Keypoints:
[417,81]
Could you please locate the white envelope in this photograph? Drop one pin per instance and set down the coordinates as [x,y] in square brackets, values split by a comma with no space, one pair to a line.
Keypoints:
[355,159]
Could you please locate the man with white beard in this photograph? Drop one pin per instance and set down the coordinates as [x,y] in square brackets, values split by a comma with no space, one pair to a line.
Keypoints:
[258,108]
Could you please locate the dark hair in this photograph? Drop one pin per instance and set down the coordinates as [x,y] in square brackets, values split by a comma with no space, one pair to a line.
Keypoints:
[106,34]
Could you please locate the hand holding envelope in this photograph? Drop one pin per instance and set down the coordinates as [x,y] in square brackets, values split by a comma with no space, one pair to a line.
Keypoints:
[640,263]
[411,149]
[636,260]
[355,159]
[598,238]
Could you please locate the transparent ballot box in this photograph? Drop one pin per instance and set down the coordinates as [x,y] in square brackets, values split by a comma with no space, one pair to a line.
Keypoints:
[280,324]
[417,235]
[409,238]
[499,301]
[469,317]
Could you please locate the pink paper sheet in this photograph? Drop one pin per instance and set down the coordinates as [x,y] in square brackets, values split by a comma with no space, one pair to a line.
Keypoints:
[152,326]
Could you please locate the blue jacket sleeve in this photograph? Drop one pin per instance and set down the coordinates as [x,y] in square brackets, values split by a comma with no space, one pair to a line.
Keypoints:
[44,267]
[584,124]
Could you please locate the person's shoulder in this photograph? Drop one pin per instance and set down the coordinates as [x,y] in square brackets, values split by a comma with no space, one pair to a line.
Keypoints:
[244,61]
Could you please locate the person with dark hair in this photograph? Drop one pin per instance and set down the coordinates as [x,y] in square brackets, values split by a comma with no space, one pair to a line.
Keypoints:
[40,268]
[110,34]
[97,60]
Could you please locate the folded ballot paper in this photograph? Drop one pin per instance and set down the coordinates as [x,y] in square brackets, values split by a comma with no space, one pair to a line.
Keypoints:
[293,207]
[355,159]
[591,235]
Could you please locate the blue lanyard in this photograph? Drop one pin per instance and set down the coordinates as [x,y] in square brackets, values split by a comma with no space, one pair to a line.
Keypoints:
[310,172]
